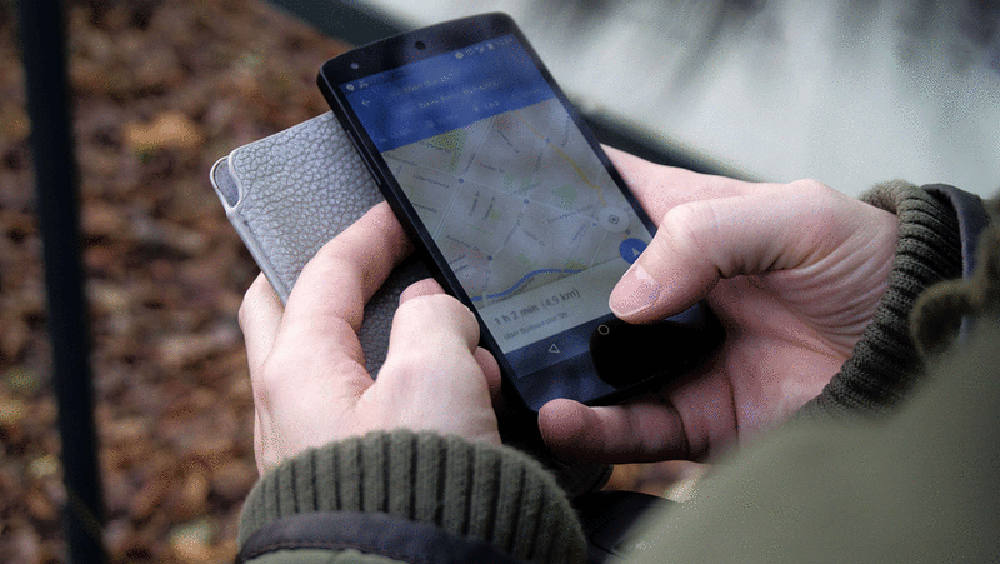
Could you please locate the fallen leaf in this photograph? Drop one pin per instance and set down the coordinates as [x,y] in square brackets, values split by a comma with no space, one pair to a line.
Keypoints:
[171,130]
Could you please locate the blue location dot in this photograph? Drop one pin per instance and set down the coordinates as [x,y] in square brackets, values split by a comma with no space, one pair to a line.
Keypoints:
[631,248]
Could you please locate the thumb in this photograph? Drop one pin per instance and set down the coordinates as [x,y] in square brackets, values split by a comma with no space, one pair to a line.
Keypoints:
[699,242]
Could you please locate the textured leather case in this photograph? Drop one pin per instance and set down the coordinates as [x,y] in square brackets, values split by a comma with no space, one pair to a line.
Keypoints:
[290,193]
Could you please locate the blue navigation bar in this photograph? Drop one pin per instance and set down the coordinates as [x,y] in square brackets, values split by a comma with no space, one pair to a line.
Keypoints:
[445,92]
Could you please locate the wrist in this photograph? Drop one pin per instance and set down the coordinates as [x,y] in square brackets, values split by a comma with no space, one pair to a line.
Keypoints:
[884,364]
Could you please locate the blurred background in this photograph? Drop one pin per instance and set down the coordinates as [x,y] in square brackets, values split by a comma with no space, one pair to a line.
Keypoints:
[850,93]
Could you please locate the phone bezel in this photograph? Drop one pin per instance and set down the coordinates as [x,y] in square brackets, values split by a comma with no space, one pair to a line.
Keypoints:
[400,50]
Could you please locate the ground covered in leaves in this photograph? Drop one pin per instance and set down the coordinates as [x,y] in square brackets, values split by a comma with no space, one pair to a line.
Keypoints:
[161,90]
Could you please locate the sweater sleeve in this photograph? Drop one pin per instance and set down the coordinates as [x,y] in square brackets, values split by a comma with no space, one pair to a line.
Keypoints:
[412,497]
[885,363]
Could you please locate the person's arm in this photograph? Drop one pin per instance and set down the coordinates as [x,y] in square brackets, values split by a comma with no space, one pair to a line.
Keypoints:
[796,273]
[885,362]
[917,486]
[288,368]
[412,469]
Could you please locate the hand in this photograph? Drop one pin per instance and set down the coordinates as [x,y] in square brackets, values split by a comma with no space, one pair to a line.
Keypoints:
[794,272]
[306,366]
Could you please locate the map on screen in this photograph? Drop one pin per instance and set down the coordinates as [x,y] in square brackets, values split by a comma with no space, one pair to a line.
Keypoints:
[515,201]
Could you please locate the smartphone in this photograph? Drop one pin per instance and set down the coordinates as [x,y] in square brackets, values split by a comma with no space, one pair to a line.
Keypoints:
[519,211]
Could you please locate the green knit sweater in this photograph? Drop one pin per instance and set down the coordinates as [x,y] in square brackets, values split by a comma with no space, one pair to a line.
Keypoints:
[503,497]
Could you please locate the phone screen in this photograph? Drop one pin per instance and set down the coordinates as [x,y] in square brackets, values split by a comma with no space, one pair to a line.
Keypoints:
[522,209]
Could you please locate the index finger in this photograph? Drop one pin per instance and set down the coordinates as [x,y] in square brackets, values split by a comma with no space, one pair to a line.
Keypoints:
[330,294]
[660,187]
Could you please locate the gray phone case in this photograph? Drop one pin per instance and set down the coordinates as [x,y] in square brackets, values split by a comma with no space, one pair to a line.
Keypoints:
[290,193]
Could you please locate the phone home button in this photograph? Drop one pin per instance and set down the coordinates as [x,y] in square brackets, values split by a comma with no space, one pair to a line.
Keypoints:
[617,353]
[625,355]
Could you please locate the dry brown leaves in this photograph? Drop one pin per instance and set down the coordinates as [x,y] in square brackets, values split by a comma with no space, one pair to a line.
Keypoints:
[162,89]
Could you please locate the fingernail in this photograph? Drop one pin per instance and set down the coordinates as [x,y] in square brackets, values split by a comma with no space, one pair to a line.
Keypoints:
[636,292]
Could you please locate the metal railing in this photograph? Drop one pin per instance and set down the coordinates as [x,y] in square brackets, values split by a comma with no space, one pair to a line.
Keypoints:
[43,44]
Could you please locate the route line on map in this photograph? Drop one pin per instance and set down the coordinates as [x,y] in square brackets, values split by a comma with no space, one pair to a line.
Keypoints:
[527,277]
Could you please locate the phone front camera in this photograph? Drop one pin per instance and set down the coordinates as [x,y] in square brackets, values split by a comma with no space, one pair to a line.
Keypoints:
[420,45]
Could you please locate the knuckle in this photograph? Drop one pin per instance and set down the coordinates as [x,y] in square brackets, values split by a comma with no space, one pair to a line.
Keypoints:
[439,306]
[408,367]
[810,187]
[426,286]
[416,365]
[249,297]
[819,205]
[687,226]
[331,259]
[411,364]
[435,325]
[256,299]
[416,306]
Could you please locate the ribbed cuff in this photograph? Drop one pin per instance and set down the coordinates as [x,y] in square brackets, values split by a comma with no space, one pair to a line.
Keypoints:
[884,364]
[470,489]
